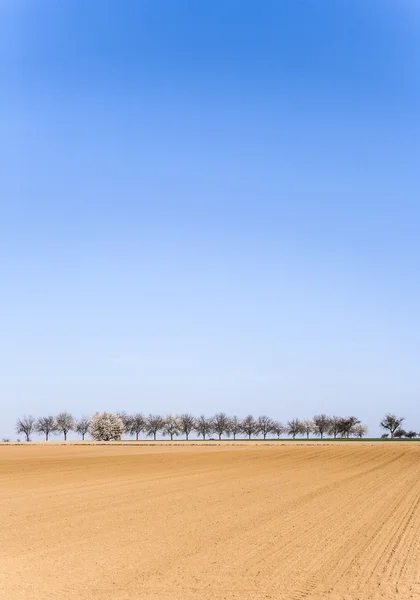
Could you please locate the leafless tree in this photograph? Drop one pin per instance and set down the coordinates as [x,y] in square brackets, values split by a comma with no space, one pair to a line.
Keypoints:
[346,426]
[249,426]
[235,426]
[26,426]
[220,424]
[334,426]
[265,425]
[153,425]
[294,427]
[203,426]
[171,426]
[186,424]
[82,426]
[135,424]
[65,423]
[46,425]
[278,428]
[391,423]
[307,427]
[321,425]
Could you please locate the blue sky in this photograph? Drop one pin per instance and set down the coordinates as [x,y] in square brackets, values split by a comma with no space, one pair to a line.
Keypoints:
[210,206]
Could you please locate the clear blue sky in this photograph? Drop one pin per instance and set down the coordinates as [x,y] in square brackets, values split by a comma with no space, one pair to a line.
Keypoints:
[210,206]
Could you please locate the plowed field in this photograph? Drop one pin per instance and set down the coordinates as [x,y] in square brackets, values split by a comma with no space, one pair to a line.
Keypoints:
[337,521]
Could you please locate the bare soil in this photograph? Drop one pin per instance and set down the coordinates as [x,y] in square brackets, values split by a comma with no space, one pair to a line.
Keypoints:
[250,522]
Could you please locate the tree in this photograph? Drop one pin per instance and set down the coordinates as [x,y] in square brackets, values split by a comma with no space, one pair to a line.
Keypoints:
[186,424]
[307,427]
[235,426]
[126,419]
[135,424]
[171,426]
[264,425]
[26,426]
[294,427]
[334,426]
[278,428]
[82,426]
[400,433]
[65,423]
[249,426]
[203,426]
[411,435]
[220,424]
[106,426]
[346,426]
[321,424]
[46,425]
[391,423]
[154,423]
[360,430]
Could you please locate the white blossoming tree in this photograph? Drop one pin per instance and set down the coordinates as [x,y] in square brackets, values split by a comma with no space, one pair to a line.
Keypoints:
[106,426]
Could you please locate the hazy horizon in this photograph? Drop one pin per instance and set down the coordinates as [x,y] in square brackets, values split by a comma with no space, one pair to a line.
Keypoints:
[210,208]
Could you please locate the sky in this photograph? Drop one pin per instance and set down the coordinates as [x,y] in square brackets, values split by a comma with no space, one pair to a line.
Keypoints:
[210,206]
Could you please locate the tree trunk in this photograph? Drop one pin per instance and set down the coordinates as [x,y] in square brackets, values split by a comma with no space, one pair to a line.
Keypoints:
[220,436]
[65,436]
[186,436]
[154,435]
[83,437]
[249,436]
[46,437]
[234,435]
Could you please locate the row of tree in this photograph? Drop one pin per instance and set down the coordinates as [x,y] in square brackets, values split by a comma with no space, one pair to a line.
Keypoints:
[112,426]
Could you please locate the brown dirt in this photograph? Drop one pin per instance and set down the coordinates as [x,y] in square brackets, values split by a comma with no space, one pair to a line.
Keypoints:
[248,522]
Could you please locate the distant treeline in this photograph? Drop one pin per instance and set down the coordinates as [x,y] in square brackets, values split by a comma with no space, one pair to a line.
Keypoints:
[112,426]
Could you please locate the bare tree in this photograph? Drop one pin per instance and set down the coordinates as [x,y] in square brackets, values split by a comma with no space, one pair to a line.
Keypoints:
[65,423]
[171,426]
[278,428]
[235,426]
[203,426]
[135,424]
[265,425]
[106,426]
[26,426]
[46,425]
[294,427]
[392,423]
[334,426]
[153,425]
[220,424]
[249,426]
[360,430]
[307,427]
[322,425]
[186,424]
[82,426]
[346,426]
